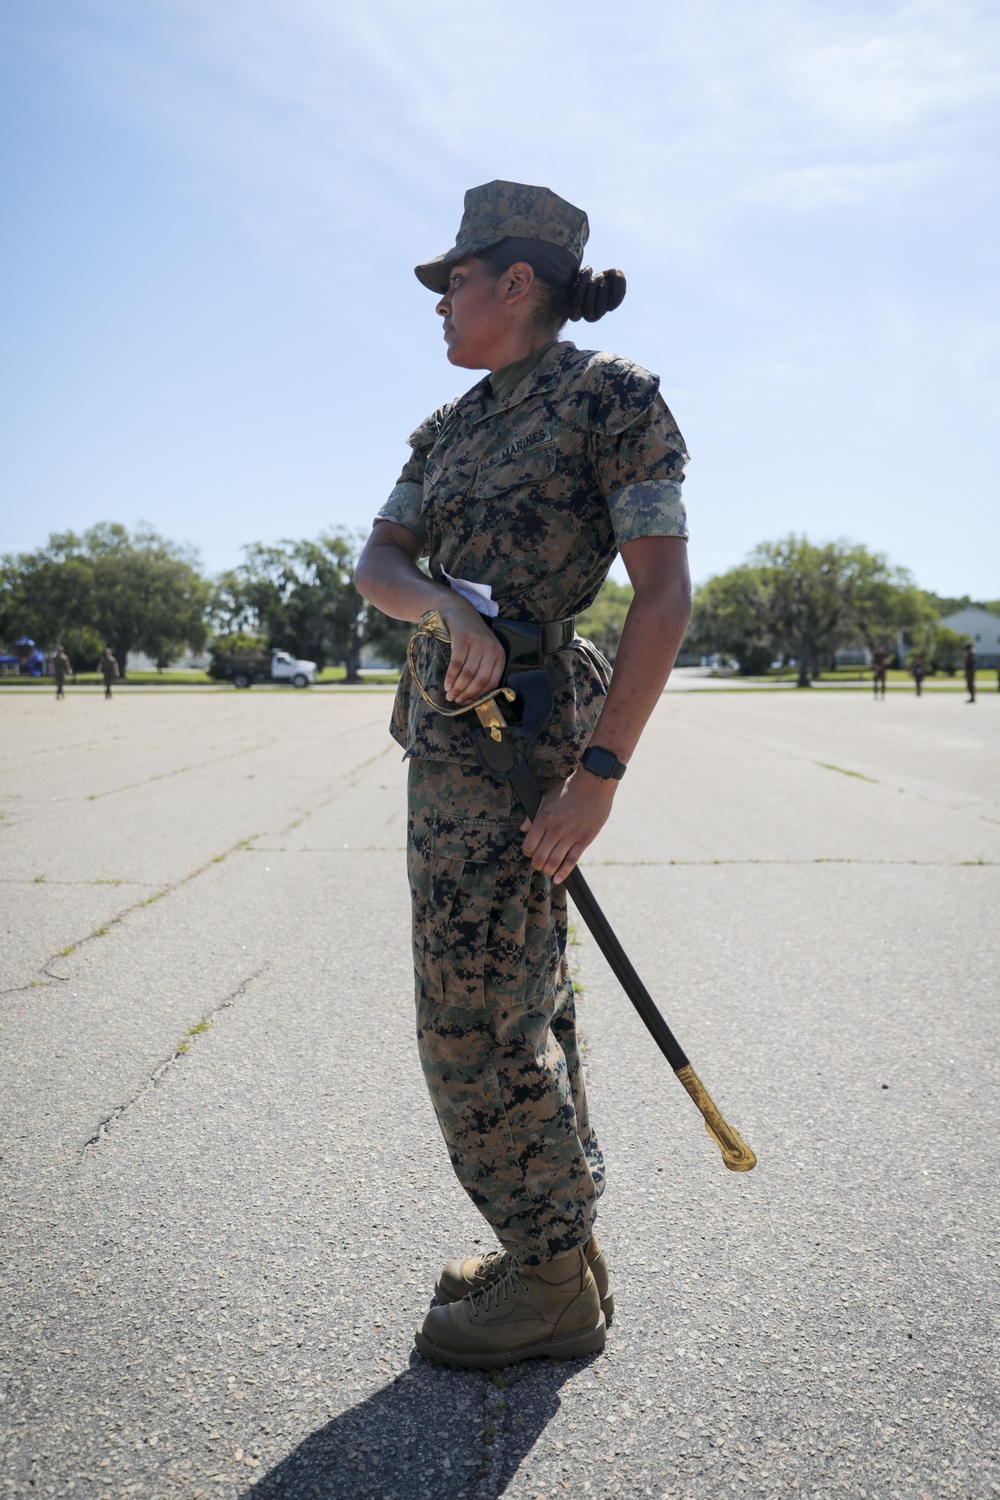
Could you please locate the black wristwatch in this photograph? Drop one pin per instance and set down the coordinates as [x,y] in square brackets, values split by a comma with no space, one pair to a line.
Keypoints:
[602,763]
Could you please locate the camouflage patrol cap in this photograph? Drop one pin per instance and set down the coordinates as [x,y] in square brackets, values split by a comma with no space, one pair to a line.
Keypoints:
[501,209]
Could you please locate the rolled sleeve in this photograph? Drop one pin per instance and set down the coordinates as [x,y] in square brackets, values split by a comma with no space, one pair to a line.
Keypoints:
[652,507]
[640,471]
[404,507]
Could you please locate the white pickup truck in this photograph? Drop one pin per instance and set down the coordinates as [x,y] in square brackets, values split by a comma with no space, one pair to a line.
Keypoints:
[250,667]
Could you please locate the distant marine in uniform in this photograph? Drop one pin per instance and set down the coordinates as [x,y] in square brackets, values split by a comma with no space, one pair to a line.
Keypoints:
[880,665]
[108,667]
[971,662]
[61,668]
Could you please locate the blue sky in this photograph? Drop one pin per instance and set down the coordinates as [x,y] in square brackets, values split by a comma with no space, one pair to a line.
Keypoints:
[213,207]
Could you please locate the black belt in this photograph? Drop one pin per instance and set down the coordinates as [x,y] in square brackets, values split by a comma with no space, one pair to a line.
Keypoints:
[528,644]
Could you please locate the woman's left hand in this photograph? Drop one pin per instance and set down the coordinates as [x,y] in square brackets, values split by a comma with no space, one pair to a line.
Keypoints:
[570,817]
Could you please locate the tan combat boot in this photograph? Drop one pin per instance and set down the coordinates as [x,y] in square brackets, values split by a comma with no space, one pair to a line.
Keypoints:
[551,1310]
[460,1277]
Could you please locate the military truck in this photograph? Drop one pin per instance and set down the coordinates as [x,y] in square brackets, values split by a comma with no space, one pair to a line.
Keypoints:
[248,667]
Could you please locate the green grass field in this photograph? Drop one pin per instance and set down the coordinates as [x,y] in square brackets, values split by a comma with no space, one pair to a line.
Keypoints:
[848,678]
[860,678]
[176,679]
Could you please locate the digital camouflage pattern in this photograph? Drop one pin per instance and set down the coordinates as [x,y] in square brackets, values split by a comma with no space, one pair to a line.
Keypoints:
[498,210]
[531,492]
[496,1021]
[534,497]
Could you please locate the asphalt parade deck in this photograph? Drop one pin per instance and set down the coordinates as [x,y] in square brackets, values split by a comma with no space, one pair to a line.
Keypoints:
[225,1199]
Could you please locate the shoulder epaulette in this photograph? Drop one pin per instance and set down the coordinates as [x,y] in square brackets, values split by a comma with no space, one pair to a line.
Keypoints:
[427,433]
[618,392]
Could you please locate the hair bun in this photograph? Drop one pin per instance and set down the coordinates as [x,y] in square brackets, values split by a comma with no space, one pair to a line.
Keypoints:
[593,296]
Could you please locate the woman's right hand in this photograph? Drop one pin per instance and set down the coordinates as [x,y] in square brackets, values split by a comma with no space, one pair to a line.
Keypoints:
[388,576]
[477,657]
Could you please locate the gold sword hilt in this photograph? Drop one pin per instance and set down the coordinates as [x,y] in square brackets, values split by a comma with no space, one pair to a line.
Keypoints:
[736,1154]
[432,624]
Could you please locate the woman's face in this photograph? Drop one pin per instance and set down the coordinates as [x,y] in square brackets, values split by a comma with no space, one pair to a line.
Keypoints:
[477,322]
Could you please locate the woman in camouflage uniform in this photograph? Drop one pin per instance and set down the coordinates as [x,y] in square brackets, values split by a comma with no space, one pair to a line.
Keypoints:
[525,487]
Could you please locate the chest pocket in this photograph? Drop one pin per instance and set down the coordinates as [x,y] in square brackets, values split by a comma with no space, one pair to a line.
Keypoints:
[532,467]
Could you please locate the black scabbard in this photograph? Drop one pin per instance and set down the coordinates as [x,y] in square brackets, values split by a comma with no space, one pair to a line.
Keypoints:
[526,790]
[503,752]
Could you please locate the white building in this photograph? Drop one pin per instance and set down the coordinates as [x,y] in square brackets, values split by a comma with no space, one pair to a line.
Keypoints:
[189,661]
[982,627]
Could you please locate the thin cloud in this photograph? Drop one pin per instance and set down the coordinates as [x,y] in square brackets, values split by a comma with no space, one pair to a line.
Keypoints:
[380,111]
[801,191]
[899,72]
[835,183]
[976,361]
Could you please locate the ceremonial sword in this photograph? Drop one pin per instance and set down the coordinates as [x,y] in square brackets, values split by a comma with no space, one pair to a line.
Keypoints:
[501,758]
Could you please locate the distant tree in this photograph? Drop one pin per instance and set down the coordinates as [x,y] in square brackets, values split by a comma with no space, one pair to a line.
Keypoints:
[883,600]
[943,650]
[803,600]
[949,650]
[148,593]
[808,600]
[827,595]
[105,587]
[48,595]
[602,623]
[732,614]
[233,643]
[301,595]
[946,604]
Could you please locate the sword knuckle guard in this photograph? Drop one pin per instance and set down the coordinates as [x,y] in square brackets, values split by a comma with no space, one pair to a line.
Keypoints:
[431,624]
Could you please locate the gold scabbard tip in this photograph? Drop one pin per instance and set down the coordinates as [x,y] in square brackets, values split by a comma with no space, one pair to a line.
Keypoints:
[736,1154]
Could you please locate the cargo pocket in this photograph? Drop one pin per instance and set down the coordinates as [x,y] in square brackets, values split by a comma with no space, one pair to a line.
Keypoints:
[472,949]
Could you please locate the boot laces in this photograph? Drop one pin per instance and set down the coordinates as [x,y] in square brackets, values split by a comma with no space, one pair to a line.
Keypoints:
[498,1291]
[494,1263]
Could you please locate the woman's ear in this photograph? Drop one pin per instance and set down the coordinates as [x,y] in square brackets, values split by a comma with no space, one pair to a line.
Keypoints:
[516,282]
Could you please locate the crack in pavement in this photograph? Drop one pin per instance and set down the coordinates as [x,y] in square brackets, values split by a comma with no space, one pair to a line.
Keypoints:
[45,880]
[158,894]
[797,755]
[130,786]
[178,771]
[355,771]
[324,803]
[153,1080]
[826,765]
[117,919]
[331,848]
[497,1385]
[26,812]
[819,859]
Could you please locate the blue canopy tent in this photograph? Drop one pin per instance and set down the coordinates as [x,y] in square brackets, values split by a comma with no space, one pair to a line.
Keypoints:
[30,657]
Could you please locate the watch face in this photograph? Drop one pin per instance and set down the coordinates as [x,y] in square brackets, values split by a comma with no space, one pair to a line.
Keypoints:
[600,762]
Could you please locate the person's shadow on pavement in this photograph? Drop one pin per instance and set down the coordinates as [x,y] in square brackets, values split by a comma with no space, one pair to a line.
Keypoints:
[433,1434]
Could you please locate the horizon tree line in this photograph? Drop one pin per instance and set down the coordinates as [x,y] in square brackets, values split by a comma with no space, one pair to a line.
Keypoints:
[791,600]
[139,592]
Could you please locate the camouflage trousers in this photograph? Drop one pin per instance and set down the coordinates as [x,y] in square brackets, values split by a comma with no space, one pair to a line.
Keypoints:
[496,1018]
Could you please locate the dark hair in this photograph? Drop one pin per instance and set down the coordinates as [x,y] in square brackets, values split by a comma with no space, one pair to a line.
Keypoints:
[571,291]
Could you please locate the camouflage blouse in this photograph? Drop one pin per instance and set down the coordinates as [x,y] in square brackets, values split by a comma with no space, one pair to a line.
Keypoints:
[534,497]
